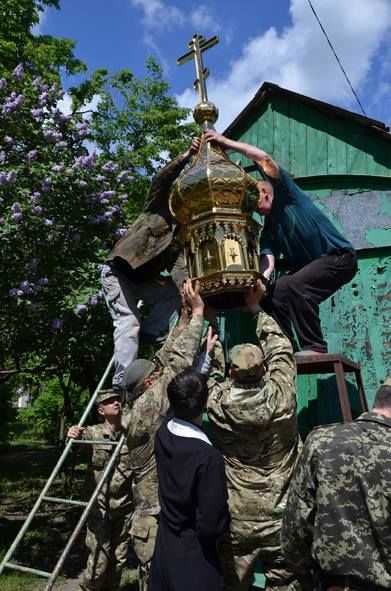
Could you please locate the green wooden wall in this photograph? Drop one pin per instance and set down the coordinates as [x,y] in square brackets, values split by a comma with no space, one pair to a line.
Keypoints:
[347,168]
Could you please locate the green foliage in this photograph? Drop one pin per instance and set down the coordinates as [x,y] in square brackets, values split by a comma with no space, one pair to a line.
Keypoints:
[19,44]
[61,207]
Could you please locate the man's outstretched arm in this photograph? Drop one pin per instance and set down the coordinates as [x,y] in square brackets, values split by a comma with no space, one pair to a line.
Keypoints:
[162,181]
[270,167]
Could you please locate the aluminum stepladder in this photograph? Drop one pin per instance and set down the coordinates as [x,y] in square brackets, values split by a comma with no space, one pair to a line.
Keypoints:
[44,498]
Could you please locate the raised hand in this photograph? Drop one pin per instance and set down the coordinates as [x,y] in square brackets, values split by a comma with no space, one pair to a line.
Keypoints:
[193,297]
[254,295]
[211,340]
[75,432]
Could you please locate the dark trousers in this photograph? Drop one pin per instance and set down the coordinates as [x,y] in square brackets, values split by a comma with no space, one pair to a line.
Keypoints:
[295,298]
[182,563]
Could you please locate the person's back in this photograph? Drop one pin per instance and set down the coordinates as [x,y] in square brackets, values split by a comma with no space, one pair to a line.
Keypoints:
[253,422]
[192,493]
[338,518]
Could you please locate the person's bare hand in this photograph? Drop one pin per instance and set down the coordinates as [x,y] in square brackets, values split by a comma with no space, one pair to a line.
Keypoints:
[193,297]
[194,147]
[75,432]
[211,340]
[213,136]
[254,295]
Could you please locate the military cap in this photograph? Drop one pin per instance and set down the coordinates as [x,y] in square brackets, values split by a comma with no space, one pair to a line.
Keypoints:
[387,381]
[136,372]
[106,394]
[247,361]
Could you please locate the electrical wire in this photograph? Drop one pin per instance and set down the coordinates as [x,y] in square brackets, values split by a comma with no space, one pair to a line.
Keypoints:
[337,58]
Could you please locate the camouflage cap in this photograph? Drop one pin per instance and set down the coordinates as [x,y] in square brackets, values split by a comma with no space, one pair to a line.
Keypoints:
[247,361]
[106,394]
[136,372]
[387,381]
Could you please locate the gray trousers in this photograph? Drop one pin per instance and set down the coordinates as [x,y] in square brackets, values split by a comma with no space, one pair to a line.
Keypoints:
[161,301]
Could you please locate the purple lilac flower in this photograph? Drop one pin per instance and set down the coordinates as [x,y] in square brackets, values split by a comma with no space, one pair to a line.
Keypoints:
[43,97]
[110,166]
[61,145]
[38,210]
[35,196]
[116,209]
[86,161]
[81,183]
[13,292]
[32,155]
[48,222]
[58,168]
[37,82]
[2,157]
[11,177]
[52,135]
[15,207]
[123,197]
[82,129]
[57,324]
[80,309]
[27,287]
[37,114]
[3,178]
[9,140]
[3,83]
[93,301]
[124,176]
[100,178]
[46,184]
[120,232]
[104,201]
[18,72]
[43,281]
[106,195]
[12,104]
[108,215]
[17,217]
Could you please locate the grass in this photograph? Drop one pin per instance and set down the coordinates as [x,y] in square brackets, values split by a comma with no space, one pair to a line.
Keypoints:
[24,470]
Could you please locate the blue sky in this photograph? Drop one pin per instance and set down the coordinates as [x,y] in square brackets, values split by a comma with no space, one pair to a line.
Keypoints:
[277,41]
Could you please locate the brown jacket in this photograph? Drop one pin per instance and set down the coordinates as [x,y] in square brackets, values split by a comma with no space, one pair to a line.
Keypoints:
[153,231]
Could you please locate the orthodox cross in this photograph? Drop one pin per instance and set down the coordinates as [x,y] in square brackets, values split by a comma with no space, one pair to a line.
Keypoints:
[233,254]
[198,45]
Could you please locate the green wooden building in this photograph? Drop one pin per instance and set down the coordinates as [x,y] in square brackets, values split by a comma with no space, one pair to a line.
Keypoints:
[344,160]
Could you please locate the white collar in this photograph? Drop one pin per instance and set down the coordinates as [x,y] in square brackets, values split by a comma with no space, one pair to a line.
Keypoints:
[185,429]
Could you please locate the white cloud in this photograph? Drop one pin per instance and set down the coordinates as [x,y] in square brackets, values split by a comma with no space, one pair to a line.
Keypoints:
[38,28]
[203,20]
[160,15]
[300,59]
[65,105]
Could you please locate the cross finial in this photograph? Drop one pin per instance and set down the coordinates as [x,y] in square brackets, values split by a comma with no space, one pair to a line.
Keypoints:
[198,45]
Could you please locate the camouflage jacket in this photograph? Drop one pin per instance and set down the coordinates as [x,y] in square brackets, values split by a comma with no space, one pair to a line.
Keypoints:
[338,516]
[116,492]
[144,415]
[153,230]
[255,427]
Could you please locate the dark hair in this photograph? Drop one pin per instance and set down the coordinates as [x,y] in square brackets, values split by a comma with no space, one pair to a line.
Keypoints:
[383,397]
[188,393]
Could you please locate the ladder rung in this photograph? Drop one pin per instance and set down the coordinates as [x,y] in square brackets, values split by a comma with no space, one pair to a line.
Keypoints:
[94,441]
[26,569]
[68,501]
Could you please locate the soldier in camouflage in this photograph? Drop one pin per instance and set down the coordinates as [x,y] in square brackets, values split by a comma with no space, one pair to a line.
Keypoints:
[338,519]
[108,523]
[252,416]
[133,270]
[146,383]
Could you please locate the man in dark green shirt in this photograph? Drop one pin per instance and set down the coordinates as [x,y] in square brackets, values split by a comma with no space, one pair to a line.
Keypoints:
[319,258]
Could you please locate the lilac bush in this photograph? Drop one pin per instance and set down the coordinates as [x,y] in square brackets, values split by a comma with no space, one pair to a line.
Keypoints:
[61,209]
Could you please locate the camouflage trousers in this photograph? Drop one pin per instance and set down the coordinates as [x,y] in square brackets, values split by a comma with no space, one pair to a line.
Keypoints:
[143,534]
[107,540]
[247,542]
